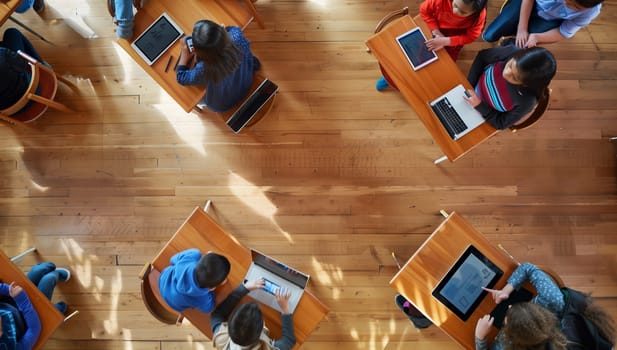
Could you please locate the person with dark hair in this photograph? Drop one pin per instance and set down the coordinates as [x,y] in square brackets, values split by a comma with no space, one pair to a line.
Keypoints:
[509,82]
[225,64]
[20,325]
[535,324]
[13,68]
[190,280]
[453,24]
[542,21]
[245,328]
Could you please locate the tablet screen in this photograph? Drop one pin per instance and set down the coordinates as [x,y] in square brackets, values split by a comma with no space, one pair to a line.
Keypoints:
[461,289]
[157,38]
[413,44]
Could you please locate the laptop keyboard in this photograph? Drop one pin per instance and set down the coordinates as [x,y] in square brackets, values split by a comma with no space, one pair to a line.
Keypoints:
[448,116]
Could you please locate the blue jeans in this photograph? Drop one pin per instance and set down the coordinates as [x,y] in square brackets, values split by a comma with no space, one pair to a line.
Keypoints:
[506,23]
[45,277]
[14,40]
[24,6]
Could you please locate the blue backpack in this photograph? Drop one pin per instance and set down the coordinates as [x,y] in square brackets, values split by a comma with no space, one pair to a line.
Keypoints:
[582,333]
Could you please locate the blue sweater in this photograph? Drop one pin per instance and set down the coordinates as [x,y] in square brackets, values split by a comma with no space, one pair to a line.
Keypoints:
[15,77]
[30,316]
[179,287]
[224,95]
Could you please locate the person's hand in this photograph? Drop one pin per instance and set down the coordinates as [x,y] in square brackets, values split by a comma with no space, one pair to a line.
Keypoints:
[532,40]
[184,48]
[521,38]
[483,327]
[255,284]
[437,33]
[14,290]
[498,295]
[437,43]
[473,99]
[282,298]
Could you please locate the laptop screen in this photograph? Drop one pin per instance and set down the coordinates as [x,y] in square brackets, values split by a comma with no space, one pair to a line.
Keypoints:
[281,270]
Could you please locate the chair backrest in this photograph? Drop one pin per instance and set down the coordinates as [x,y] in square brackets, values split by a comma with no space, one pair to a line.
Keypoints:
[151,296]
[535,115]
[390,17]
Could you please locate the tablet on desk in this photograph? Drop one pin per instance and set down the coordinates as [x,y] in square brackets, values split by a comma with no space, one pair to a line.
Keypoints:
[157,38]
[461,288]
[413,44]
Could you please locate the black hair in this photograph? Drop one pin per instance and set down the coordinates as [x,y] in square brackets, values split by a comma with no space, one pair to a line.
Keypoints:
[211,270]
[477,6]
[537,67]
[214,46]
[246,324]
[588,3]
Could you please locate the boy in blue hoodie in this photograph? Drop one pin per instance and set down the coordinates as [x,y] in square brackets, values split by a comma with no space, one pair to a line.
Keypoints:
[190,280]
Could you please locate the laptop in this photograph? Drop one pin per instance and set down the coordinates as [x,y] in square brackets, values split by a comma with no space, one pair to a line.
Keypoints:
[277,275]
[456,115]
[252,105]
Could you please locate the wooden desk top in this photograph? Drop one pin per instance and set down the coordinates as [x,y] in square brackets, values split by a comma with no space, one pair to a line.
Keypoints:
[185,14]
[430,263]
[50,317]
[425,85]
[7,7]
[202,232]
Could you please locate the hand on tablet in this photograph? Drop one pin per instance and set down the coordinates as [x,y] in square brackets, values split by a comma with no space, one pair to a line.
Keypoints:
[437,43]
[498,295]
[483,327]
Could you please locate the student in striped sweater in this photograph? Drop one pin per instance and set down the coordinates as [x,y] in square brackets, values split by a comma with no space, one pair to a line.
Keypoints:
[509,81]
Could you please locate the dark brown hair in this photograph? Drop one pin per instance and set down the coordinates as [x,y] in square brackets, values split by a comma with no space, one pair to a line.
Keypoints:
[214,46]
[530,326]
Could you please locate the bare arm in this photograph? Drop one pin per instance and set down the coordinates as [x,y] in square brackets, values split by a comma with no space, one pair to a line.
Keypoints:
[522,32]
[548,37]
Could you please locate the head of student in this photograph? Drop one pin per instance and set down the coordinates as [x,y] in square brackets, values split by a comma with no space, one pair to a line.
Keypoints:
[530,326]
[246,324]
[582,4]
[215,47]
[533,68]
[466,8]
[212,270]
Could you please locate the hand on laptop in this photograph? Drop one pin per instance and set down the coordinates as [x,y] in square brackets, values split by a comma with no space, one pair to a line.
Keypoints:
[473,99]
[258,283]
[282,298]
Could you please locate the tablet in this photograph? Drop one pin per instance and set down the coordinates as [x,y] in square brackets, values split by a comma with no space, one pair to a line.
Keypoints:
[461,288]
[157,38]
[413,44]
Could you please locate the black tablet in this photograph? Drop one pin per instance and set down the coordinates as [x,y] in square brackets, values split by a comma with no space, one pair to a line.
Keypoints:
[460,290]
[413,44]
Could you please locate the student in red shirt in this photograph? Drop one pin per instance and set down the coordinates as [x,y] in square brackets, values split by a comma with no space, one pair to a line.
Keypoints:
[453,23]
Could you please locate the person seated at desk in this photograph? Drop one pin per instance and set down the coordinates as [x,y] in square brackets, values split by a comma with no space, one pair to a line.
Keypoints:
[542,21]
[536,324]
[245,328]
[20,327]
[13,68]
[225,64]
[509,82]
[190,280]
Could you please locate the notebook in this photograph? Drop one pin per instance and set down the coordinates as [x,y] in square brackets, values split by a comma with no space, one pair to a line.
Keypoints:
[277,275]
[157,38]
[456,115]
[413,44]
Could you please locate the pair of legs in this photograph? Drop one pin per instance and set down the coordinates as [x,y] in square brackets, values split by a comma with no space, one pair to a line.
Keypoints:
[506,23]
[37,5]
[123,10]
[15,41]
[46,276]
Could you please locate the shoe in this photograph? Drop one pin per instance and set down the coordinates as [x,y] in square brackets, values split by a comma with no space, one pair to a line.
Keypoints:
[63,273]
[62,307]
[417,318]
[39,6]
[381,84]
[506,41]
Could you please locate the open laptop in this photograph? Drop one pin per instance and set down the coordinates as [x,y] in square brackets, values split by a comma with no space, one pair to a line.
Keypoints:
[456,115]
[277,275]
[245,113]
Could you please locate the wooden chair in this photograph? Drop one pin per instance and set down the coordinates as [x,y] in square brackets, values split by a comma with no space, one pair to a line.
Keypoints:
[389,18]
[151,296]
[264,109]
[39,95]
[535,115]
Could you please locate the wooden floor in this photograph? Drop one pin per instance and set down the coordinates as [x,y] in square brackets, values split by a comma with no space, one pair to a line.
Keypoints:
[332,181]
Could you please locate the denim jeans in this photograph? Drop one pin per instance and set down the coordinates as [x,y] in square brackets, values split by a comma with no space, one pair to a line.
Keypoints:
[24,6]
[124,16]
[45,277]
[14,40]
[506,23]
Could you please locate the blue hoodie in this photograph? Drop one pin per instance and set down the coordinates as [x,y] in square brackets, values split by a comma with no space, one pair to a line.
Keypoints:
[30,316]
[179,287]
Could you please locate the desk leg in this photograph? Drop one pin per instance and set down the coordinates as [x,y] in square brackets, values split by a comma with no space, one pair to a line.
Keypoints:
[613,139]
[208,206]
[18,257]
[444,213]
[440,159]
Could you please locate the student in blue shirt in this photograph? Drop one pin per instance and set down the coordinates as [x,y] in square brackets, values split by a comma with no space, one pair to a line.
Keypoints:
[542,21]
[225,64]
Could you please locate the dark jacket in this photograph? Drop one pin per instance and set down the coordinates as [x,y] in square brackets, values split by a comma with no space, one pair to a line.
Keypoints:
[15,77]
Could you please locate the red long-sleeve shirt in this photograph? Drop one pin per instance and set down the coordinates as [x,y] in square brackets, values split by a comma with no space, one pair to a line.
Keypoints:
[438,15]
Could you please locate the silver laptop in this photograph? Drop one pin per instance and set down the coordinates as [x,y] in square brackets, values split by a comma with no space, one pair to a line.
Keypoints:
[456,115]
[277,275]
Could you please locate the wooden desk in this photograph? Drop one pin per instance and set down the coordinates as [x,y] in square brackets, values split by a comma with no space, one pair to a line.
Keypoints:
[202,232]
[430,263]
[185,14]
[425,85]
[50,317]
[7,8]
